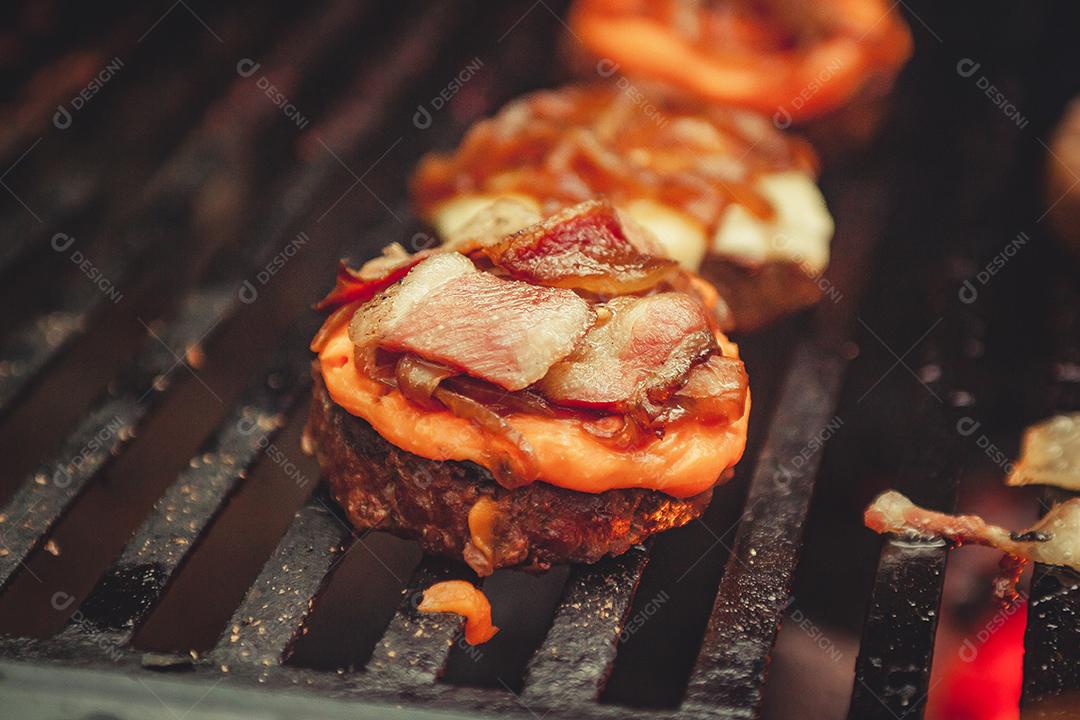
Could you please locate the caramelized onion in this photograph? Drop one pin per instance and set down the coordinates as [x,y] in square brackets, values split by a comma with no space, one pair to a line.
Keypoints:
[417,379]
[374,363]
[500,400]
[715,390]
[513,461]
[709,154]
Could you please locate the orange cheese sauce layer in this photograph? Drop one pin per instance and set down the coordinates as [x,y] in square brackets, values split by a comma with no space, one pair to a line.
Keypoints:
[689,459]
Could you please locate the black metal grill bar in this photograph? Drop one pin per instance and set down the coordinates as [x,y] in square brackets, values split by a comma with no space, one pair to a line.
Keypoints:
[1051,661]
[35,40]
[577,655]
[23,233]
[730,670]
[130,588]
[69,177]
[273,610]
[1051,665]
[415,647]
[31,346]
[729,673]
[42,337]
[907,583]
[892,672]
[46,494]
[107,429]
[893,668]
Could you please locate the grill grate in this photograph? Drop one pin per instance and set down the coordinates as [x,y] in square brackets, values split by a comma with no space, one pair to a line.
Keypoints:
[360,70]
[1051,665]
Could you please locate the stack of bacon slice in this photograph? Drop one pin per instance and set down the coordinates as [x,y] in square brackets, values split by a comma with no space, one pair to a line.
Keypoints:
[504,331]
[572,314]
[637,356]
[585,247]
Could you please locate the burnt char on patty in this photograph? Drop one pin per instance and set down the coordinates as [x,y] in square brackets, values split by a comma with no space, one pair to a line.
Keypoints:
[538,525]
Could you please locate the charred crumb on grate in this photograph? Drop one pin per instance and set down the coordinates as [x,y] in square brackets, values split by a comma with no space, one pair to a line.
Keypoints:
[1032,536]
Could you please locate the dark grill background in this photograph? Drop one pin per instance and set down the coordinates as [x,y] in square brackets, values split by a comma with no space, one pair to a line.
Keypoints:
[163,542]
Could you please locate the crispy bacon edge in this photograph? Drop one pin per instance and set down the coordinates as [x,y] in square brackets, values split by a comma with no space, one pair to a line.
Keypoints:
[351,290]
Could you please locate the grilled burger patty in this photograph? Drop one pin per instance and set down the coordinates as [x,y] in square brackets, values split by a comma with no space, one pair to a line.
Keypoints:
[537,525]
[760,296]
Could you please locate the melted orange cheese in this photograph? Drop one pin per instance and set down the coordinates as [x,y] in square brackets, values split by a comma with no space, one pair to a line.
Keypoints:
[482,527]
[689,459]
[462,598]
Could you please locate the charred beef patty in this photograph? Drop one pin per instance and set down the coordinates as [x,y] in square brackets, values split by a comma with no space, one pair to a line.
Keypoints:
[381,486]
[760,296]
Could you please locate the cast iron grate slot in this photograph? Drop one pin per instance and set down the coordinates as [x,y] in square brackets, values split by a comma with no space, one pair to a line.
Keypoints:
[126,594]
[168,89]
[577,656]
[266,622]
[41,500]
[162,223]
[55,83]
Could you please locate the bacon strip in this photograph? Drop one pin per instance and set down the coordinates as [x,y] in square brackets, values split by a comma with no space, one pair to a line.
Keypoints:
[585,247]
[359,285]
[1054,540]
[633,360]
[503,331]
